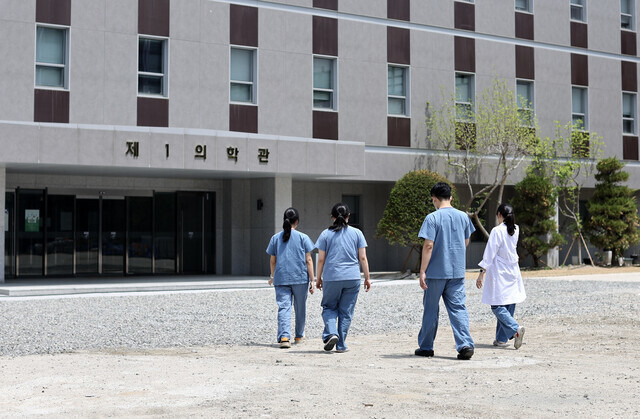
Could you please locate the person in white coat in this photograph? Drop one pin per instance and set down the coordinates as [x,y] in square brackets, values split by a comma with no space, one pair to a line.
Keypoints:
[504,287]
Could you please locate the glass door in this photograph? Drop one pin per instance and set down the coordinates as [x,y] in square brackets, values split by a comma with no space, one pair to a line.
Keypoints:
[195,232]
[30,243]
[140,235]
[60,247]
[9,216]
[87,236]
[113,235]
[165,232]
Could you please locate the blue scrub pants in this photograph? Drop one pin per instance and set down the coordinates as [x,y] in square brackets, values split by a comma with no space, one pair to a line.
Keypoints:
[507,326]
[285,295]
[454,297]
[338,303]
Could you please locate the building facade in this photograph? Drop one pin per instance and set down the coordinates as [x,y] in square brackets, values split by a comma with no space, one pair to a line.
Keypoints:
[168,136]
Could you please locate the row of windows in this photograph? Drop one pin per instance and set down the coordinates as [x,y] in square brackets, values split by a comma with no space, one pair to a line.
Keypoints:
[579,11]
[52,56]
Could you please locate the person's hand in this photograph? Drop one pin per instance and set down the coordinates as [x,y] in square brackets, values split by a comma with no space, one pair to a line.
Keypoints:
[423,280]
[367,285]
[479,282]
[271,281]
[319,284]
[312,288]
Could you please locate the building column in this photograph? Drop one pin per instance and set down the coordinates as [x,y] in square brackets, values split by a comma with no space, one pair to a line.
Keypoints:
[3,221]
[553,255]
[269,198]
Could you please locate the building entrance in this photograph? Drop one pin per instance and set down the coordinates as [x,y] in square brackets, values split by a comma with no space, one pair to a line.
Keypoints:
[68,235]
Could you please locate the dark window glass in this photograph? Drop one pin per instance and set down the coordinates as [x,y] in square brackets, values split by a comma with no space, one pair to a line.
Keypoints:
[165,232]
[87,233]
[113,230]
[140,234]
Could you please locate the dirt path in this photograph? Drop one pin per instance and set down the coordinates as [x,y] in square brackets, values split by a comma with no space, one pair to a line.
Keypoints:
[572,366]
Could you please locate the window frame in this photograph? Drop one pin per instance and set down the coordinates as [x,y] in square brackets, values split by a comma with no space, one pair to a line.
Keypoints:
[531,101]
[585,114]
[471,104]
[254,78]
[66,55]
[165,67]
[334,83]
[407,91]
[634,118]
[582,5]
[631,15]
[529,8]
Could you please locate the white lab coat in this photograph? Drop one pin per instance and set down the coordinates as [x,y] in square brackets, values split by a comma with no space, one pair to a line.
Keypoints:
[503,282]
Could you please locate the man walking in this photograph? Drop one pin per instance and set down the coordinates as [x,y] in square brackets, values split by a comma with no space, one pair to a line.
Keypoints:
[446,233]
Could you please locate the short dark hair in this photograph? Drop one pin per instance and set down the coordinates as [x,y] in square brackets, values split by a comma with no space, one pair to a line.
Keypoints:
[441,190]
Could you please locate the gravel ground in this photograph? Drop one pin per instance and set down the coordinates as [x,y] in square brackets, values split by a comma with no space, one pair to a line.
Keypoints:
[213,354]
[57,325]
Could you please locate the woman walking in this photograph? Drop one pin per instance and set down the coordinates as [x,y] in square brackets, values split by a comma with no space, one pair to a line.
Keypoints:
[342,251]
[292,275]
[504,288]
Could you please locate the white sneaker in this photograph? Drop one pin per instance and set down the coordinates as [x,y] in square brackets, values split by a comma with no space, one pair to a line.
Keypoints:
[500,344]
[517,338]
[340,351]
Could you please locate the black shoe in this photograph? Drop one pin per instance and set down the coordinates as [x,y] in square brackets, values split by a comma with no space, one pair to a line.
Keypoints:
[465,353]
[424,352]
[330,342]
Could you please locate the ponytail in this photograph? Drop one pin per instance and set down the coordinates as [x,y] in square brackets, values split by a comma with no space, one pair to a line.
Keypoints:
[291,216]
[507,213]
[340,212]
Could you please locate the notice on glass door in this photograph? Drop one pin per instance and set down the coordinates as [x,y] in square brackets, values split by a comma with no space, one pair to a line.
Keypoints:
[32,220]
[6,219]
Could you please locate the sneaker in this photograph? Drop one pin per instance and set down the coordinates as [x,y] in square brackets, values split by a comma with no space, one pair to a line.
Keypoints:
[284,343]
[341,351]
[330,342]
[465,353]
[500,344]
[298,341]
[517,338]
[424,352]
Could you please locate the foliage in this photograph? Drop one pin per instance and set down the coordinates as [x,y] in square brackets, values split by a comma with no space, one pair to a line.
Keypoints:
[494,137]
[570,159]
[614,214]
[535,205]
[408,205]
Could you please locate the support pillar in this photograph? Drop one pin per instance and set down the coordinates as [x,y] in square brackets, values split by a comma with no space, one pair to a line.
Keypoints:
[553,255]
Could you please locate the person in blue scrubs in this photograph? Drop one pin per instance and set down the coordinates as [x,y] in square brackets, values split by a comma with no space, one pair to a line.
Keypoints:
[341,253]
[446,234]
[292,275]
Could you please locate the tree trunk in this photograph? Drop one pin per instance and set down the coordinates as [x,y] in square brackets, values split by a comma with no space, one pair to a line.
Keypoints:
[476,220]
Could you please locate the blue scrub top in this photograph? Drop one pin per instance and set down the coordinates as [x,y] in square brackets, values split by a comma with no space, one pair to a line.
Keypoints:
[341,262]
[448,228]
[291,264]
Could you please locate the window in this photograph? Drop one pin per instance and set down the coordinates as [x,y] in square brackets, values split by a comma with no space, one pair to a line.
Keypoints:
[324,83]
[579,10]
[397,84]
[465,96]
[152,66]
[627,15]
[579,108]
[524,92]
[524,5]
[353,202]
[52,57]
[629,104]
[243,75]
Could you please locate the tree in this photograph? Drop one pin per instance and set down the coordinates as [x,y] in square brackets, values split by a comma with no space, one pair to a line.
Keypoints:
[571,156]
[614,215]
[535,206]
[408,205]
[495,137]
